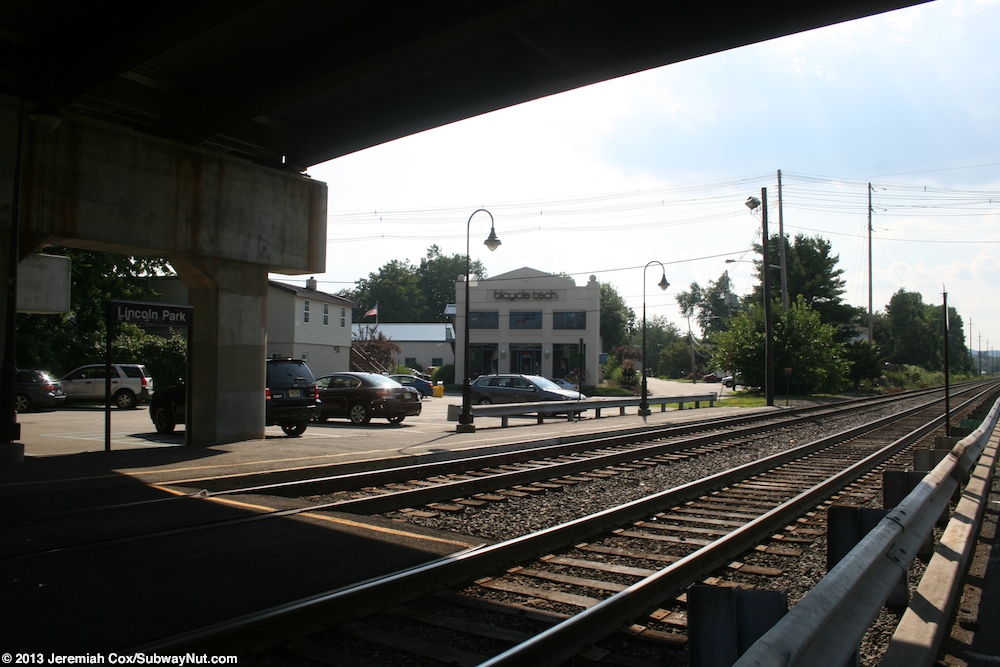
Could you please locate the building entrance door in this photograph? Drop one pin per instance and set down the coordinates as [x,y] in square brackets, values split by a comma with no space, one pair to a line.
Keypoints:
[526,359]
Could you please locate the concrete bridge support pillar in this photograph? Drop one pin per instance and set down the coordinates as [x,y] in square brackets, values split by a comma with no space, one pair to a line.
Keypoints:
[228,342]
[222,222]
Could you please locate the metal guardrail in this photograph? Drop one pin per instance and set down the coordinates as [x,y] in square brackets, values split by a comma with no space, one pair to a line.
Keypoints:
[827,625]
[569,409]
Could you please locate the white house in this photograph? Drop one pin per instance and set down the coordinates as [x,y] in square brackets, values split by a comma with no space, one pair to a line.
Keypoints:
[423,345]
[302,322]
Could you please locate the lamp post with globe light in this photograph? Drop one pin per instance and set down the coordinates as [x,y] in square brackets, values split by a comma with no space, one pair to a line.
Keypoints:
[753,203]
[663,284]
[465,420]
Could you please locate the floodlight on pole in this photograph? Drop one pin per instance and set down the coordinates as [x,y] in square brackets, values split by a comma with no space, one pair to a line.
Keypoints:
[465,419]
[663,284]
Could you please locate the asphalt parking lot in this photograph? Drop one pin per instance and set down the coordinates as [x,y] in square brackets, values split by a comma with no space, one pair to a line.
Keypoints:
[77,428]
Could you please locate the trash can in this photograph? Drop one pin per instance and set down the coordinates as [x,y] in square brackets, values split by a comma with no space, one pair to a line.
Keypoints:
[439,390]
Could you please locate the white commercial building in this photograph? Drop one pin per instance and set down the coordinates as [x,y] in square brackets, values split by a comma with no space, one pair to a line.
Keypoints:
[530,322]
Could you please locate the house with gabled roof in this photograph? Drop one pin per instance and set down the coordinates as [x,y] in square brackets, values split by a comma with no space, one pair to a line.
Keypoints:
[422,345]
[302,322]
[305,323]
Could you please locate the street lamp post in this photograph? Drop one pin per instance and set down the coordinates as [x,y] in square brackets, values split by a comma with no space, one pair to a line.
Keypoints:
[465,420]
[752,203]
[663,284]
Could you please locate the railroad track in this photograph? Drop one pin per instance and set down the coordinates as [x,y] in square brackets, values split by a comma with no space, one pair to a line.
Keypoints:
[549,596]
[424,489]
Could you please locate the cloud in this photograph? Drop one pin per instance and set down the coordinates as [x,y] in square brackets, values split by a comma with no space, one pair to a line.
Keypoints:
[905,97]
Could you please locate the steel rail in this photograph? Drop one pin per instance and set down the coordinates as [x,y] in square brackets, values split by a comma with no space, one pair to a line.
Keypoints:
[446,490]
[563,641]
[258,631]
[827,625]
[512,453]
[546,447]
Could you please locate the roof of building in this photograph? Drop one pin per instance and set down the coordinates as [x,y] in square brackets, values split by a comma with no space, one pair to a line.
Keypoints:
[526,272]
[308,293]
[414,332]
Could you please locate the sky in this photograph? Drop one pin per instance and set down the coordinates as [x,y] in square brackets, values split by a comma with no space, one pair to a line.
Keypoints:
[614,178]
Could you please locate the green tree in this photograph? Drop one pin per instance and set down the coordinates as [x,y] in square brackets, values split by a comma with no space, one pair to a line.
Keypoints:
[396,289]
[437,275]
[408,293]
[959,360]
[812,273]
[807,346]
[617,319]
[802,342]
[165,357]
[865,362]
[660,333]
[910,331]
[674,360]
[710,306]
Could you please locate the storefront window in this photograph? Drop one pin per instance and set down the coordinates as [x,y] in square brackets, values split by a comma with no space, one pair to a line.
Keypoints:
[525,319]
[482,359]
[484,319]
[570,320]
[566,360]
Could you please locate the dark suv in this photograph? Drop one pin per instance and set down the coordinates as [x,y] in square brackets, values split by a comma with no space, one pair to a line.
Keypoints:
[291,397]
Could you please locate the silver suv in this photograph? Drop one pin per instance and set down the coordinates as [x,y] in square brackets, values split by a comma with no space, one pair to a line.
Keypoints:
[514,388]
[131,384]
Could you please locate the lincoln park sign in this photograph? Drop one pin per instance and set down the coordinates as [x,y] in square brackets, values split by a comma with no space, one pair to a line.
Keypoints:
[149,313]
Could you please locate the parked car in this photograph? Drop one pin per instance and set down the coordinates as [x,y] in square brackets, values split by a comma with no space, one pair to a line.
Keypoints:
[361,396]
[513,388]
[167,408]
[563,383]
[710,377]
[423,386]
[131,384]
[36,390]
[729,381]
[291,397]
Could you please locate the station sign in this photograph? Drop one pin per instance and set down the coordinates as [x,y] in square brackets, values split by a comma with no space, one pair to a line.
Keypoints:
[150,313]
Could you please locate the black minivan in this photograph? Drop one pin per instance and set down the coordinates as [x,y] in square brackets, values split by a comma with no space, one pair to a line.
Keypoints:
[291,397]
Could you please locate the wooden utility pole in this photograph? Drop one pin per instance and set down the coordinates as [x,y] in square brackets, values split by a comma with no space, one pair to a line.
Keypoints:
[781,249]
[871,315]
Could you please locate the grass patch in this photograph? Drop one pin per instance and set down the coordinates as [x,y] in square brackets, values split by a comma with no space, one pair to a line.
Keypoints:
[612,392]
[744,399]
